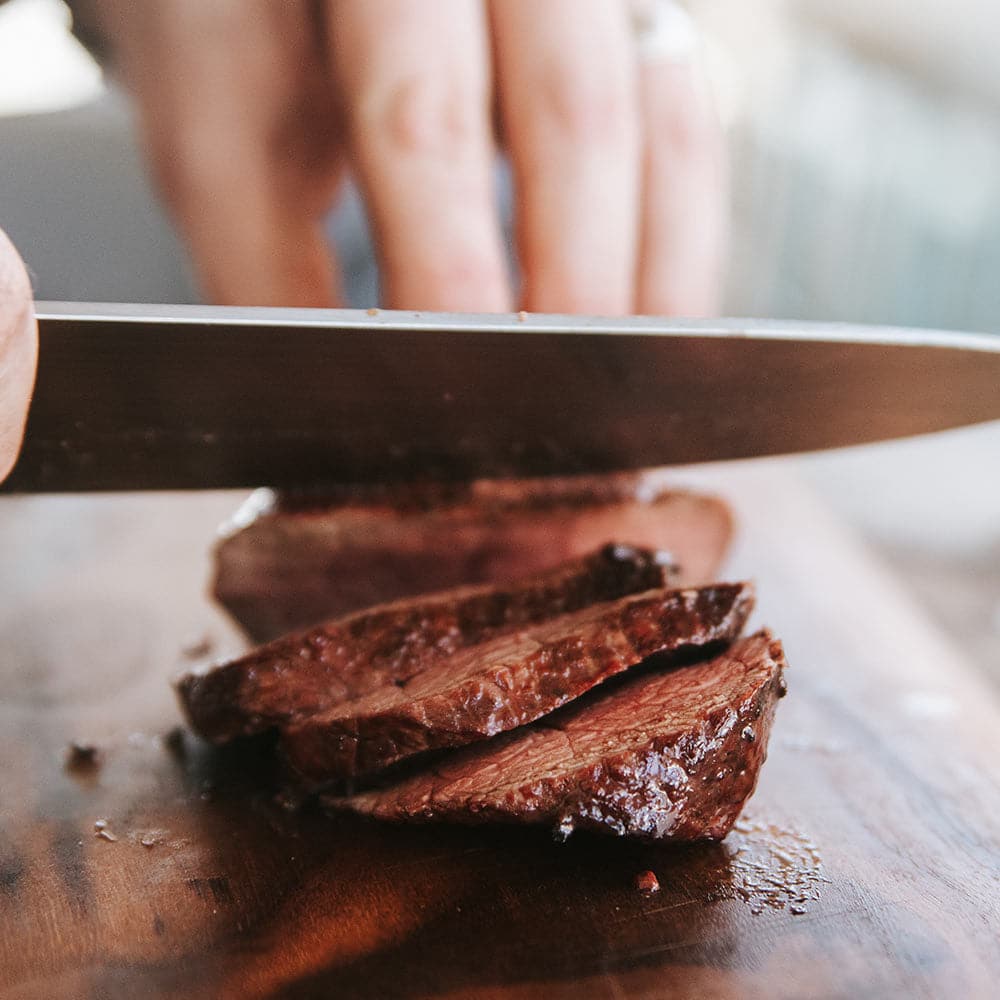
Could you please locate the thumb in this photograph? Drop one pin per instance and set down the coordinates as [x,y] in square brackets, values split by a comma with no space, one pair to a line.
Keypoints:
[18,352]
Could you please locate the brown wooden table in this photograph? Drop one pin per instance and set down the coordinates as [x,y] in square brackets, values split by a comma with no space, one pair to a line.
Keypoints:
[868,863]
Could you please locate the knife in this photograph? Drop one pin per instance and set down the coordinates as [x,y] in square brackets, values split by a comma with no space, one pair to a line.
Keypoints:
[180,397]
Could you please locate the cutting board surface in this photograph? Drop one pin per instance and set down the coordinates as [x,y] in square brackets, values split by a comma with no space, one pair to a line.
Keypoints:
[867,864]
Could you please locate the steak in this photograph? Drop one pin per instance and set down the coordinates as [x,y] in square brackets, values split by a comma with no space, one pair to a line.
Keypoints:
[287,562]
[299,675]
[665,755]
[493,686]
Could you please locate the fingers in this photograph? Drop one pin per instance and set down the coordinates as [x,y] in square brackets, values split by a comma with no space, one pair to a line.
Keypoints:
[684,219]
[240,120]
[18,352]
[566,84]
[414,79]
[237,117]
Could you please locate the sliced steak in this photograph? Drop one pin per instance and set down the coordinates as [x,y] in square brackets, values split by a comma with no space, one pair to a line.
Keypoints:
[288,562]
[299,675]
[662,755]
[493,686]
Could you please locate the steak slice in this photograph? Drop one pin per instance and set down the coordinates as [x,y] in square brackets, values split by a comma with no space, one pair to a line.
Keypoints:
[670,755]
[343,660]
[507,681]
[287,562]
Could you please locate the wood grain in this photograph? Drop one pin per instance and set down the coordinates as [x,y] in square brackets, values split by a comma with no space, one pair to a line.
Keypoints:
[868,863]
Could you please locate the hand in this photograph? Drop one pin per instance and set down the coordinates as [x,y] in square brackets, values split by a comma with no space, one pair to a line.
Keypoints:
[252,111]
[18,352]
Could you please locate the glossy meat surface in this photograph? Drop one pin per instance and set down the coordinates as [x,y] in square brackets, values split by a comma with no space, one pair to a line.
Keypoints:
[299,675]
[664,755]
[516,678]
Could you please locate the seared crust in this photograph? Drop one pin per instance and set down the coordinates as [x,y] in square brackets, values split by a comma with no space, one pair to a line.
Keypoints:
[517,678]
[295,677]
[288,562]
[667,755]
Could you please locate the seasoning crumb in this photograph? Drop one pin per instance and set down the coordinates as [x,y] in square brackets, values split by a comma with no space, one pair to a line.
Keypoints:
[101,830]
[152,839]
[372,312]
[798,909]
[199,648]
[81,756]
[647,882]
[522,316]
[287,800]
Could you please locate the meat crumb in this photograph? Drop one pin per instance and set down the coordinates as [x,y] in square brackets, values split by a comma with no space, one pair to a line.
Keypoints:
[287,800]
[647,882]
[174,742]
[82,756]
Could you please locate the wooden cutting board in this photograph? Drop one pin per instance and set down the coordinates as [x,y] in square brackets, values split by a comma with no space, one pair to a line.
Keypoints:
[867,864]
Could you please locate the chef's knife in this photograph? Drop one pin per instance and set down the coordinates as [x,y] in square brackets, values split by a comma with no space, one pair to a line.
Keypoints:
[168,397]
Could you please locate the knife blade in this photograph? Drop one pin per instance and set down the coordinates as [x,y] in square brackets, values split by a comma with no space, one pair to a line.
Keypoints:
[174,397]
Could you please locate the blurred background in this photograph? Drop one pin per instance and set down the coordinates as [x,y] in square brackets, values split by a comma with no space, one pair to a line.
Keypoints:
[865,143]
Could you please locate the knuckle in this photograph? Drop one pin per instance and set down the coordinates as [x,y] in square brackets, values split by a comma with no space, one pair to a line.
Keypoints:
[422,113]
[586,108]
[689,128]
